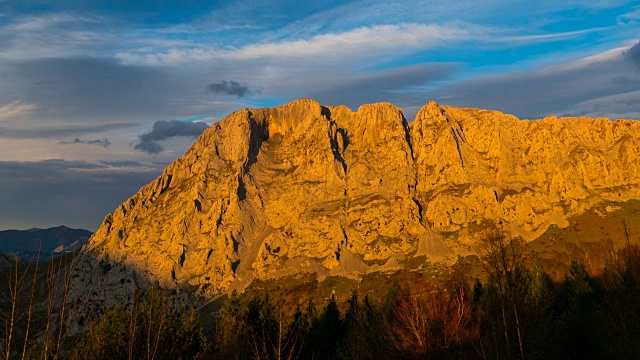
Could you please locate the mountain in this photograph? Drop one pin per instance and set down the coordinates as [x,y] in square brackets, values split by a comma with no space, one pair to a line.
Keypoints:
[55,240]
[266,193]
[7,261]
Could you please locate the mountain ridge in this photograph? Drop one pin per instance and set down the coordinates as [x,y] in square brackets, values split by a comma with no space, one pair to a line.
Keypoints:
[53,240]
[307,188]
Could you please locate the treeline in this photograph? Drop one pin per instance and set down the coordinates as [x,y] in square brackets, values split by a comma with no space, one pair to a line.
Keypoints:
[518,312]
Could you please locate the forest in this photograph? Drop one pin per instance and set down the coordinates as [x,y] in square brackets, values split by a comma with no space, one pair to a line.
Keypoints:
[516,312]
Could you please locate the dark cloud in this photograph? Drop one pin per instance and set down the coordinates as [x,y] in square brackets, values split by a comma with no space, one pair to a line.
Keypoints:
[51,168]
[163,130]
[232,88]
[74,193]
[94,89]
[150,147]
[104,142]
[625,105]
[634,54]
[122,163]
[58,131]
[622,80]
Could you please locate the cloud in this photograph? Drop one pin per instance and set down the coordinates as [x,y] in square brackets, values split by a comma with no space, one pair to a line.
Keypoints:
[231,88]
[15,109]
[51,35]
[624,105]
[634,54]
[371,39]
[363,42]
[101,90]
[163,130]
[104,142]
[93,89]
[384,85]
[53,168]
[75,193]
[630,17]
[565,89]
[551,36]
[58,131]
[121,163]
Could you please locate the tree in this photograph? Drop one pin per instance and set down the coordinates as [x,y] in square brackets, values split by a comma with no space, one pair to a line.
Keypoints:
[621,282]
[578,328]
[502,259]
[231,331]
[364,330]
[151,328]
[300,332]
[263,326]
[434,324]
[328,331]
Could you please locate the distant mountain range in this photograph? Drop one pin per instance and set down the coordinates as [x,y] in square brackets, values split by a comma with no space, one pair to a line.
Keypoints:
[56,240]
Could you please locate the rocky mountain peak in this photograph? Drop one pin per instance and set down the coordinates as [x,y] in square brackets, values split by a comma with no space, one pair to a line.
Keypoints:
[431,113]
[301,187]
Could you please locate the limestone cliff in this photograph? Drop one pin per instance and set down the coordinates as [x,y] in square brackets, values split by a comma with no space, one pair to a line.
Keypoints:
[302,187]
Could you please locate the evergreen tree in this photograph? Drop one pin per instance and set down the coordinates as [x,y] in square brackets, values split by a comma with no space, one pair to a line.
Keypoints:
[232,331]
[578,331]
[328,331]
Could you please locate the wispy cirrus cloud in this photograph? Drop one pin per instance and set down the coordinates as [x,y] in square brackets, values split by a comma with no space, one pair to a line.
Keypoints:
[605,84]
[361,42]
[15,109]
[43,132]
[384,85]
[630,17]
[529,38]
[55,35]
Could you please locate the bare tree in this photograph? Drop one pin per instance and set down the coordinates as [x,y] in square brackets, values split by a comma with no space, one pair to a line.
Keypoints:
[31,303]
[15,280]
[502,259]
[421,324]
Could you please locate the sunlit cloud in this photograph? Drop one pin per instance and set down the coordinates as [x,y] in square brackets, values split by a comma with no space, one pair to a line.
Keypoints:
[15,109]
[361,42]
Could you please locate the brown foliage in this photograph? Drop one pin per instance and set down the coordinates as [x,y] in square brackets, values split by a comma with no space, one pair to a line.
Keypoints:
[431,323]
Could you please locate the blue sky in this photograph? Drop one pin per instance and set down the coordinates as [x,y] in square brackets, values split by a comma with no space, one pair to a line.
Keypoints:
[96,97]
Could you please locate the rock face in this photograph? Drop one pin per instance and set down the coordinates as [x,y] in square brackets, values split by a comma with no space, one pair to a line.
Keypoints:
[302,187]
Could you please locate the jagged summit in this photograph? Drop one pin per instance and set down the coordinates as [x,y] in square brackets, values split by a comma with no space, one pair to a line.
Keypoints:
[302,187]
